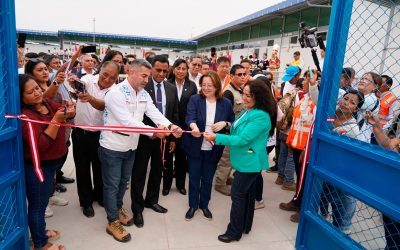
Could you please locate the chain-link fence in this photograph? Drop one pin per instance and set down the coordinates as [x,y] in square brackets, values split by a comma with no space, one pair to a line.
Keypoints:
[370,75]
[365,111]
[353,218]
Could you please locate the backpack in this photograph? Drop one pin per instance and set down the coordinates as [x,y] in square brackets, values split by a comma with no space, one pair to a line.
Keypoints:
[286,104]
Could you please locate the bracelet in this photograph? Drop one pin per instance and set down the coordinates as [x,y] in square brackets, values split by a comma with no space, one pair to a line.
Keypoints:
[55,122]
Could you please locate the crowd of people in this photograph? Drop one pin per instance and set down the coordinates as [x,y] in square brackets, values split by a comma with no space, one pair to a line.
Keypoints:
[212,120]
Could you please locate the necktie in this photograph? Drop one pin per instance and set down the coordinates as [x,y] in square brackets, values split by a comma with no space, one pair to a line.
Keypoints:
[159,98]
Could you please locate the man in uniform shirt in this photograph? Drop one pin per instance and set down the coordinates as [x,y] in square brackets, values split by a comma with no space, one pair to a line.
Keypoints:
[223,65]
[125,105]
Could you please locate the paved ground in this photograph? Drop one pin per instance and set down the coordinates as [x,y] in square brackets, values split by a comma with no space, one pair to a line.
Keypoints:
[271,229]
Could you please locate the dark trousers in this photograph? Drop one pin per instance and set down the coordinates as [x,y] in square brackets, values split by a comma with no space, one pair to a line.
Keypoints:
[148,148]
[181,167]
[297,167]
[243,199]
[85,150]
[392,233]
[201,174]
[260,181]
[38,194]
[60,173]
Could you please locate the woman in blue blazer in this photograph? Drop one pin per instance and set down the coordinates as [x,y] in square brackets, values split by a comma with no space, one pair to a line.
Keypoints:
[206,112]
[248,155]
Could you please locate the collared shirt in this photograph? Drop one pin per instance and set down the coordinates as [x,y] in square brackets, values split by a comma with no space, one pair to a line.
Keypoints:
[164,98]
[126,107]
[179,87]
[84,72]
[371,102]
[196,80]
[85,113]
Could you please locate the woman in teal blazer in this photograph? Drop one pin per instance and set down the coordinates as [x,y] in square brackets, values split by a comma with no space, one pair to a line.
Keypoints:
[248,155]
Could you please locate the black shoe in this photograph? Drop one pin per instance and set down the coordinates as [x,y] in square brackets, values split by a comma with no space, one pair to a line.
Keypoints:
[138,220]
[207,213]
[165,192]
[225,238]
[60,188]
[88,211]
[182,191]
[190,213]
[157,208]
[64,180]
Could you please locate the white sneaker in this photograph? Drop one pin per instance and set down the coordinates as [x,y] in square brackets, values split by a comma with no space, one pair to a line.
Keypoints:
[48,213]
[259,204]
[57,200]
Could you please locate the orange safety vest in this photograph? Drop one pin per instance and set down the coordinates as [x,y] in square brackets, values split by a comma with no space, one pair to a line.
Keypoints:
[303,117]
[386,101]
[227,81]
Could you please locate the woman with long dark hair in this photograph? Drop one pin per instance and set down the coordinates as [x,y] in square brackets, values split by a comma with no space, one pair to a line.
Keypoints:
[179,77]
[51,148]
[247,141]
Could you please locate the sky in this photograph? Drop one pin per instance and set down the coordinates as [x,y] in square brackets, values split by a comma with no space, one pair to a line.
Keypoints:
[177,19]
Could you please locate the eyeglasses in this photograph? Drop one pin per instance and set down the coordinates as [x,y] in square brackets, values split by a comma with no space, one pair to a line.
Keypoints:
[241,74]
[165,71]
[196,65]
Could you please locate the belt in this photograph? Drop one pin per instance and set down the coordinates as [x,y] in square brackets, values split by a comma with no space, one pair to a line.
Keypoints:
[86,132]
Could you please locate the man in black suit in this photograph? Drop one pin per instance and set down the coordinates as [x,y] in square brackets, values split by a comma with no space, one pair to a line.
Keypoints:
[186,88]
[165,98]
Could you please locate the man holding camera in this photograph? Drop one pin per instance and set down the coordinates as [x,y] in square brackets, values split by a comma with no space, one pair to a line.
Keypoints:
[91,90]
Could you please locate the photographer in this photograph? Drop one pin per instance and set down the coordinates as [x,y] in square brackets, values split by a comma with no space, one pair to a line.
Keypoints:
[91,91]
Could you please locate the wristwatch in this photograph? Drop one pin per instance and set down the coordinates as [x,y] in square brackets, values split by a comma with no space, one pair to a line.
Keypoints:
[55,83]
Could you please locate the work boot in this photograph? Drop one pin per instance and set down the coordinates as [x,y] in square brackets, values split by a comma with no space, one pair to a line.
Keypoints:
[295,217]
[124,218]
[289,186]
[118,231]
[223,189]
[290,206]
[279,180]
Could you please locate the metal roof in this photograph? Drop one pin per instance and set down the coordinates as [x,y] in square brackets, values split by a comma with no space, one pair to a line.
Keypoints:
[105,35]
[38,32]
[252,17]
[127,37]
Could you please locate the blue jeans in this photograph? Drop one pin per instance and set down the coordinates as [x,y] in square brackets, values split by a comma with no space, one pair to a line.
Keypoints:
[285,162]
[201,174]
[343,206]
[38,194]
[116,168]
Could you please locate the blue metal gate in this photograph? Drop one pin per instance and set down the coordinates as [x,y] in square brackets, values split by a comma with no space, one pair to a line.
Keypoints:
[13,223]
[363,35]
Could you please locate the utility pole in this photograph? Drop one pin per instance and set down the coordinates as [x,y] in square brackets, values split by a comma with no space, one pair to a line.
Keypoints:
[94,30]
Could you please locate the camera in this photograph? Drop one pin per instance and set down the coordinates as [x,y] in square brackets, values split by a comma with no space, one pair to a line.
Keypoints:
[307,37]
[79,86]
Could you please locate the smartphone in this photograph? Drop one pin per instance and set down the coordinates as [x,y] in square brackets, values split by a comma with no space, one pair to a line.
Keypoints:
[79,86]
[21,40]
[89,49]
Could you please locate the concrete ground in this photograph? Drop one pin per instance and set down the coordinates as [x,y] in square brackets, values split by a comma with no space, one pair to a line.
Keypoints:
[272,228]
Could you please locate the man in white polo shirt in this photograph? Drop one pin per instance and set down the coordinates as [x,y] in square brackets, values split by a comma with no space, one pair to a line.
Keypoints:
[89,111]
[125,105]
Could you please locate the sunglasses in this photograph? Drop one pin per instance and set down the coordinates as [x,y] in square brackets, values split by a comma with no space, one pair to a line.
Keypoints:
[241,74]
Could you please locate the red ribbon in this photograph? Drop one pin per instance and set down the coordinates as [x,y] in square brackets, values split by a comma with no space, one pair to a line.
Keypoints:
[304,163]
[34,147]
